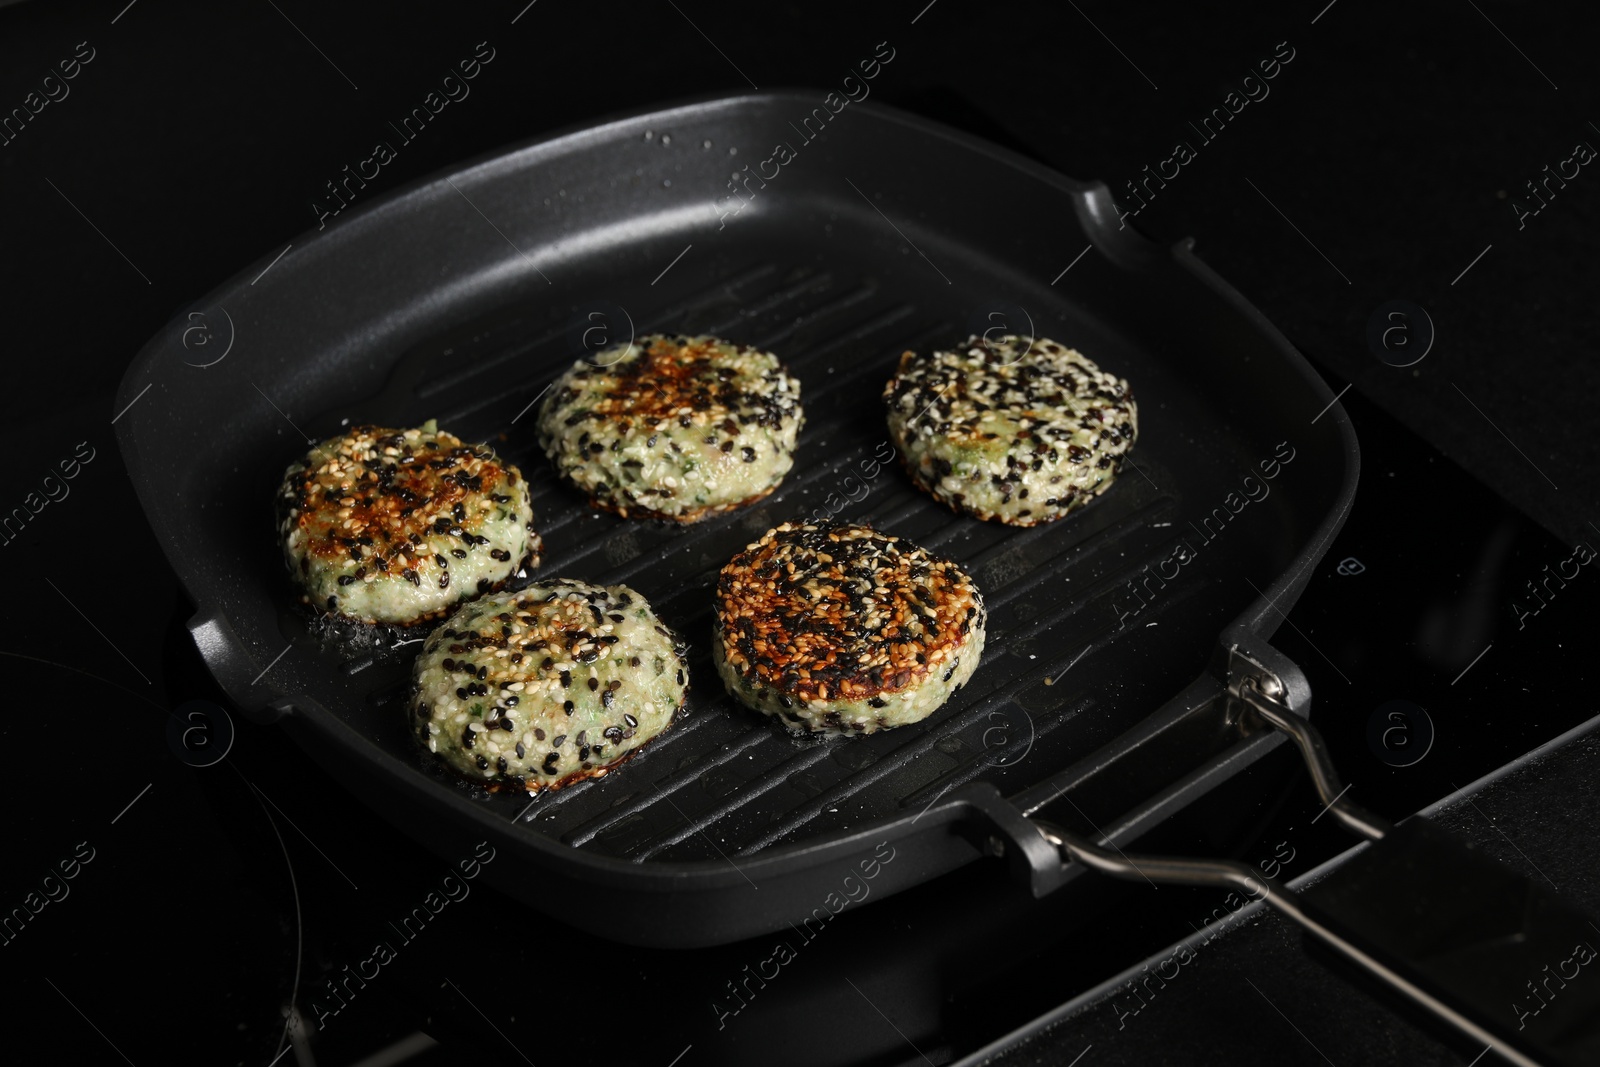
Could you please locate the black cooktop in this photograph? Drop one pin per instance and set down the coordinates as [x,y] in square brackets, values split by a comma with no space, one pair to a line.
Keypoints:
[1387,160]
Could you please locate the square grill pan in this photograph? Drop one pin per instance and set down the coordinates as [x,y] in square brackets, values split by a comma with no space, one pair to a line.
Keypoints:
[462,297]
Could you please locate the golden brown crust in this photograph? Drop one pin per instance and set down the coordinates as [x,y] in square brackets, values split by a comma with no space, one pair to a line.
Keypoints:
[669,378]
[841,612]
[381,487]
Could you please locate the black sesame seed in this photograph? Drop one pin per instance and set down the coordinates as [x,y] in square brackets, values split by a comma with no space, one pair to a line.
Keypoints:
[567,706]
[594,683]
[346,579]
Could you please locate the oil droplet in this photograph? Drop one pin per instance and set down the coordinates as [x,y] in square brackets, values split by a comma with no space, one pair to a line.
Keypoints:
[666,139]
[666,183]
[706,144]
[649,135]
[733,151]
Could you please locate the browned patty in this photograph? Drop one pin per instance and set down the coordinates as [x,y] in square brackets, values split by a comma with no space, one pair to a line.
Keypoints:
[399,526]
[821,614]
[673,428]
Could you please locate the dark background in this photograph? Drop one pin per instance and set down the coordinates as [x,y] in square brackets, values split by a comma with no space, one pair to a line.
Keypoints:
[1383,162]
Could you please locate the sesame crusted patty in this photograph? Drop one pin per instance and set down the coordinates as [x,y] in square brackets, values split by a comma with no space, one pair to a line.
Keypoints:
[836,627]
[540,688]
[673,427]
[1021,430]
[398,526]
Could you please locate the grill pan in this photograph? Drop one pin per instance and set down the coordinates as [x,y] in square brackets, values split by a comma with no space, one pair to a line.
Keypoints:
[1103,689]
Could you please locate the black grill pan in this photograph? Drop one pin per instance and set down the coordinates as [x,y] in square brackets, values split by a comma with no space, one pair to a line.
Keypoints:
[461,297]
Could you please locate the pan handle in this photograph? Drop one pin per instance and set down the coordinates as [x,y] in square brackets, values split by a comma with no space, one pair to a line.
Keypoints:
[1424,916]
[235,669]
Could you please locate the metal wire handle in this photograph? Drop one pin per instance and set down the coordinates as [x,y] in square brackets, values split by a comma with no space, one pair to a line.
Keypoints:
[1315,753]
[1176,870]
[1200,872]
